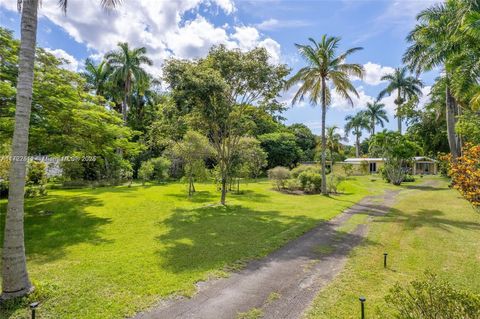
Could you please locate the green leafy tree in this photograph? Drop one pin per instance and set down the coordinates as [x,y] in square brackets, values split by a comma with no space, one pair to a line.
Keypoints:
[406,88]
[193,150]
[281,148]
[96,76]
[355,124]
[326,70]
[334,142]
[126,67]
[305,140]
[398,152]
[253,157]
[218,89]
[377,115]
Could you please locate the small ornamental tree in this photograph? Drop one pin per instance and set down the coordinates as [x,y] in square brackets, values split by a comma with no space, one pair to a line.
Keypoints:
[279,175]
[193,150]
[398,152]
[465,173]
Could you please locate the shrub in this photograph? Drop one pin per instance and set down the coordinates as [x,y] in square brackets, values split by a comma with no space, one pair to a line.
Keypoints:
[348,169]
[310,182]
[155,169]
[36,173]
[409,178]
[292,184]
[145,172]
[333,182]
[279,175]
[465,173]
[433,298]
[306,168]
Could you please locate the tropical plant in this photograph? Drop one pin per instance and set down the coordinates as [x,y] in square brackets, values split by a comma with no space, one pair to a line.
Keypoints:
[377,115]
[334,143]
[15,279]
[96,75]
[355,124]
[431,297]
[435,42]
[326,70]
[406,87]
[126,67]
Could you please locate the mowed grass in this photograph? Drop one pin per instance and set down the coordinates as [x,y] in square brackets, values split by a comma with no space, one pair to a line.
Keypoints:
[110,252]
[430,227]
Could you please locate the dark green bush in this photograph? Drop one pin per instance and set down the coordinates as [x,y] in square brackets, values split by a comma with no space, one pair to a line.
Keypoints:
[433,298]
[310,182]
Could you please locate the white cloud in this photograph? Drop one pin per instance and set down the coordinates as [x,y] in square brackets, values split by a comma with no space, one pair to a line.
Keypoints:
[158,25]
[273,24]
[338,102]
[70,63]
[374,73]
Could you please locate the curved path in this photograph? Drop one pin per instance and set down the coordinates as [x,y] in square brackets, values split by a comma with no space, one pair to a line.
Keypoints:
[283,284]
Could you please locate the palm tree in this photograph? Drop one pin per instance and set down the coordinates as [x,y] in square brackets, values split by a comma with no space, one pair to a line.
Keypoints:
[376,113]
[334,144]
[126,67]
[407,88]
[325,70]
[355,124]
[96,75]
[15,280]
[434,42]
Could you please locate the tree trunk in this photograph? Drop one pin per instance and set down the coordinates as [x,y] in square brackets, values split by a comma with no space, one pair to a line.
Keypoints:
[399,118]
[324,139]
[15,281]
[373,126]
[224,190]
[451,120]
[357,146]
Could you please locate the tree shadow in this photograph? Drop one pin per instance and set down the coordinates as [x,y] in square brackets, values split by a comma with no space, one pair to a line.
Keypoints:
[427,218]
[197,197]
[427,188]
[54,223]
[216,236]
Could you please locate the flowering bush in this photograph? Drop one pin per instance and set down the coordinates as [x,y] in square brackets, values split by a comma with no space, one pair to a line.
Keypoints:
[465,173]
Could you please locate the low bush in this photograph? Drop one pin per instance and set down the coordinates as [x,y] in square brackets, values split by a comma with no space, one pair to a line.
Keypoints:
[293,184]
[433,298]
[348,169]
[332,183]
[310,182]
[279,175]
[155,169]
[306,168]
[409,178]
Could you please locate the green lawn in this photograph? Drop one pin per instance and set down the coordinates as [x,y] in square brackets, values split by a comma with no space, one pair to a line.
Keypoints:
[109,252]
[429,228]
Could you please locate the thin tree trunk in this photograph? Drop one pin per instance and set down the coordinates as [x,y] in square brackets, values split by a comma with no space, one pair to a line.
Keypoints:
[15,281]
[324,139]
[399,118]
[224,190]
[357,145]
[450,116]
[373,126]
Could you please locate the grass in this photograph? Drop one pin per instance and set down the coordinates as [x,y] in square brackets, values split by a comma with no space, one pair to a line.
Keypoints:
[111,252]
[429,228]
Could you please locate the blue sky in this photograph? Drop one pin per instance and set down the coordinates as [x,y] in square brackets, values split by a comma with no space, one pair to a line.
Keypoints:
[187,28]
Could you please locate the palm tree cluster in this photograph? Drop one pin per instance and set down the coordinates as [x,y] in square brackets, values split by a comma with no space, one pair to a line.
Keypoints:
[447,37]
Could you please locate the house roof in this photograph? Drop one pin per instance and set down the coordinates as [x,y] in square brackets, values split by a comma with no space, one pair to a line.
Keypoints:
[380,159]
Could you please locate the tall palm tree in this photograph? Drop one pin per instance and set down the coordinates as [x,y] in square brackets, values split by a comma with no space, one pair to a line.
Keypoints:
[96,75]
[407,87]
[433,43]
[325,70]
[127,68]
[355,124]
[334,144]
[15,280]
[376,113]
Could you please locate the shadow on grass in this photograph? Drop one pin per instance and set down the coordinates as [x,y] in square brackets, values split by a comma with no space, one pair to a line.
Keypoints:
[427,188]
[197,197]
[215,236]
[54,223]
[427,218]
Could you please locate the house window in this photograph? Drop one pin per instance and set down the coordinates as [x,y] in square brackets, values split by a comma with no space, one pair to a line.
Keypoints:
[373,167]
